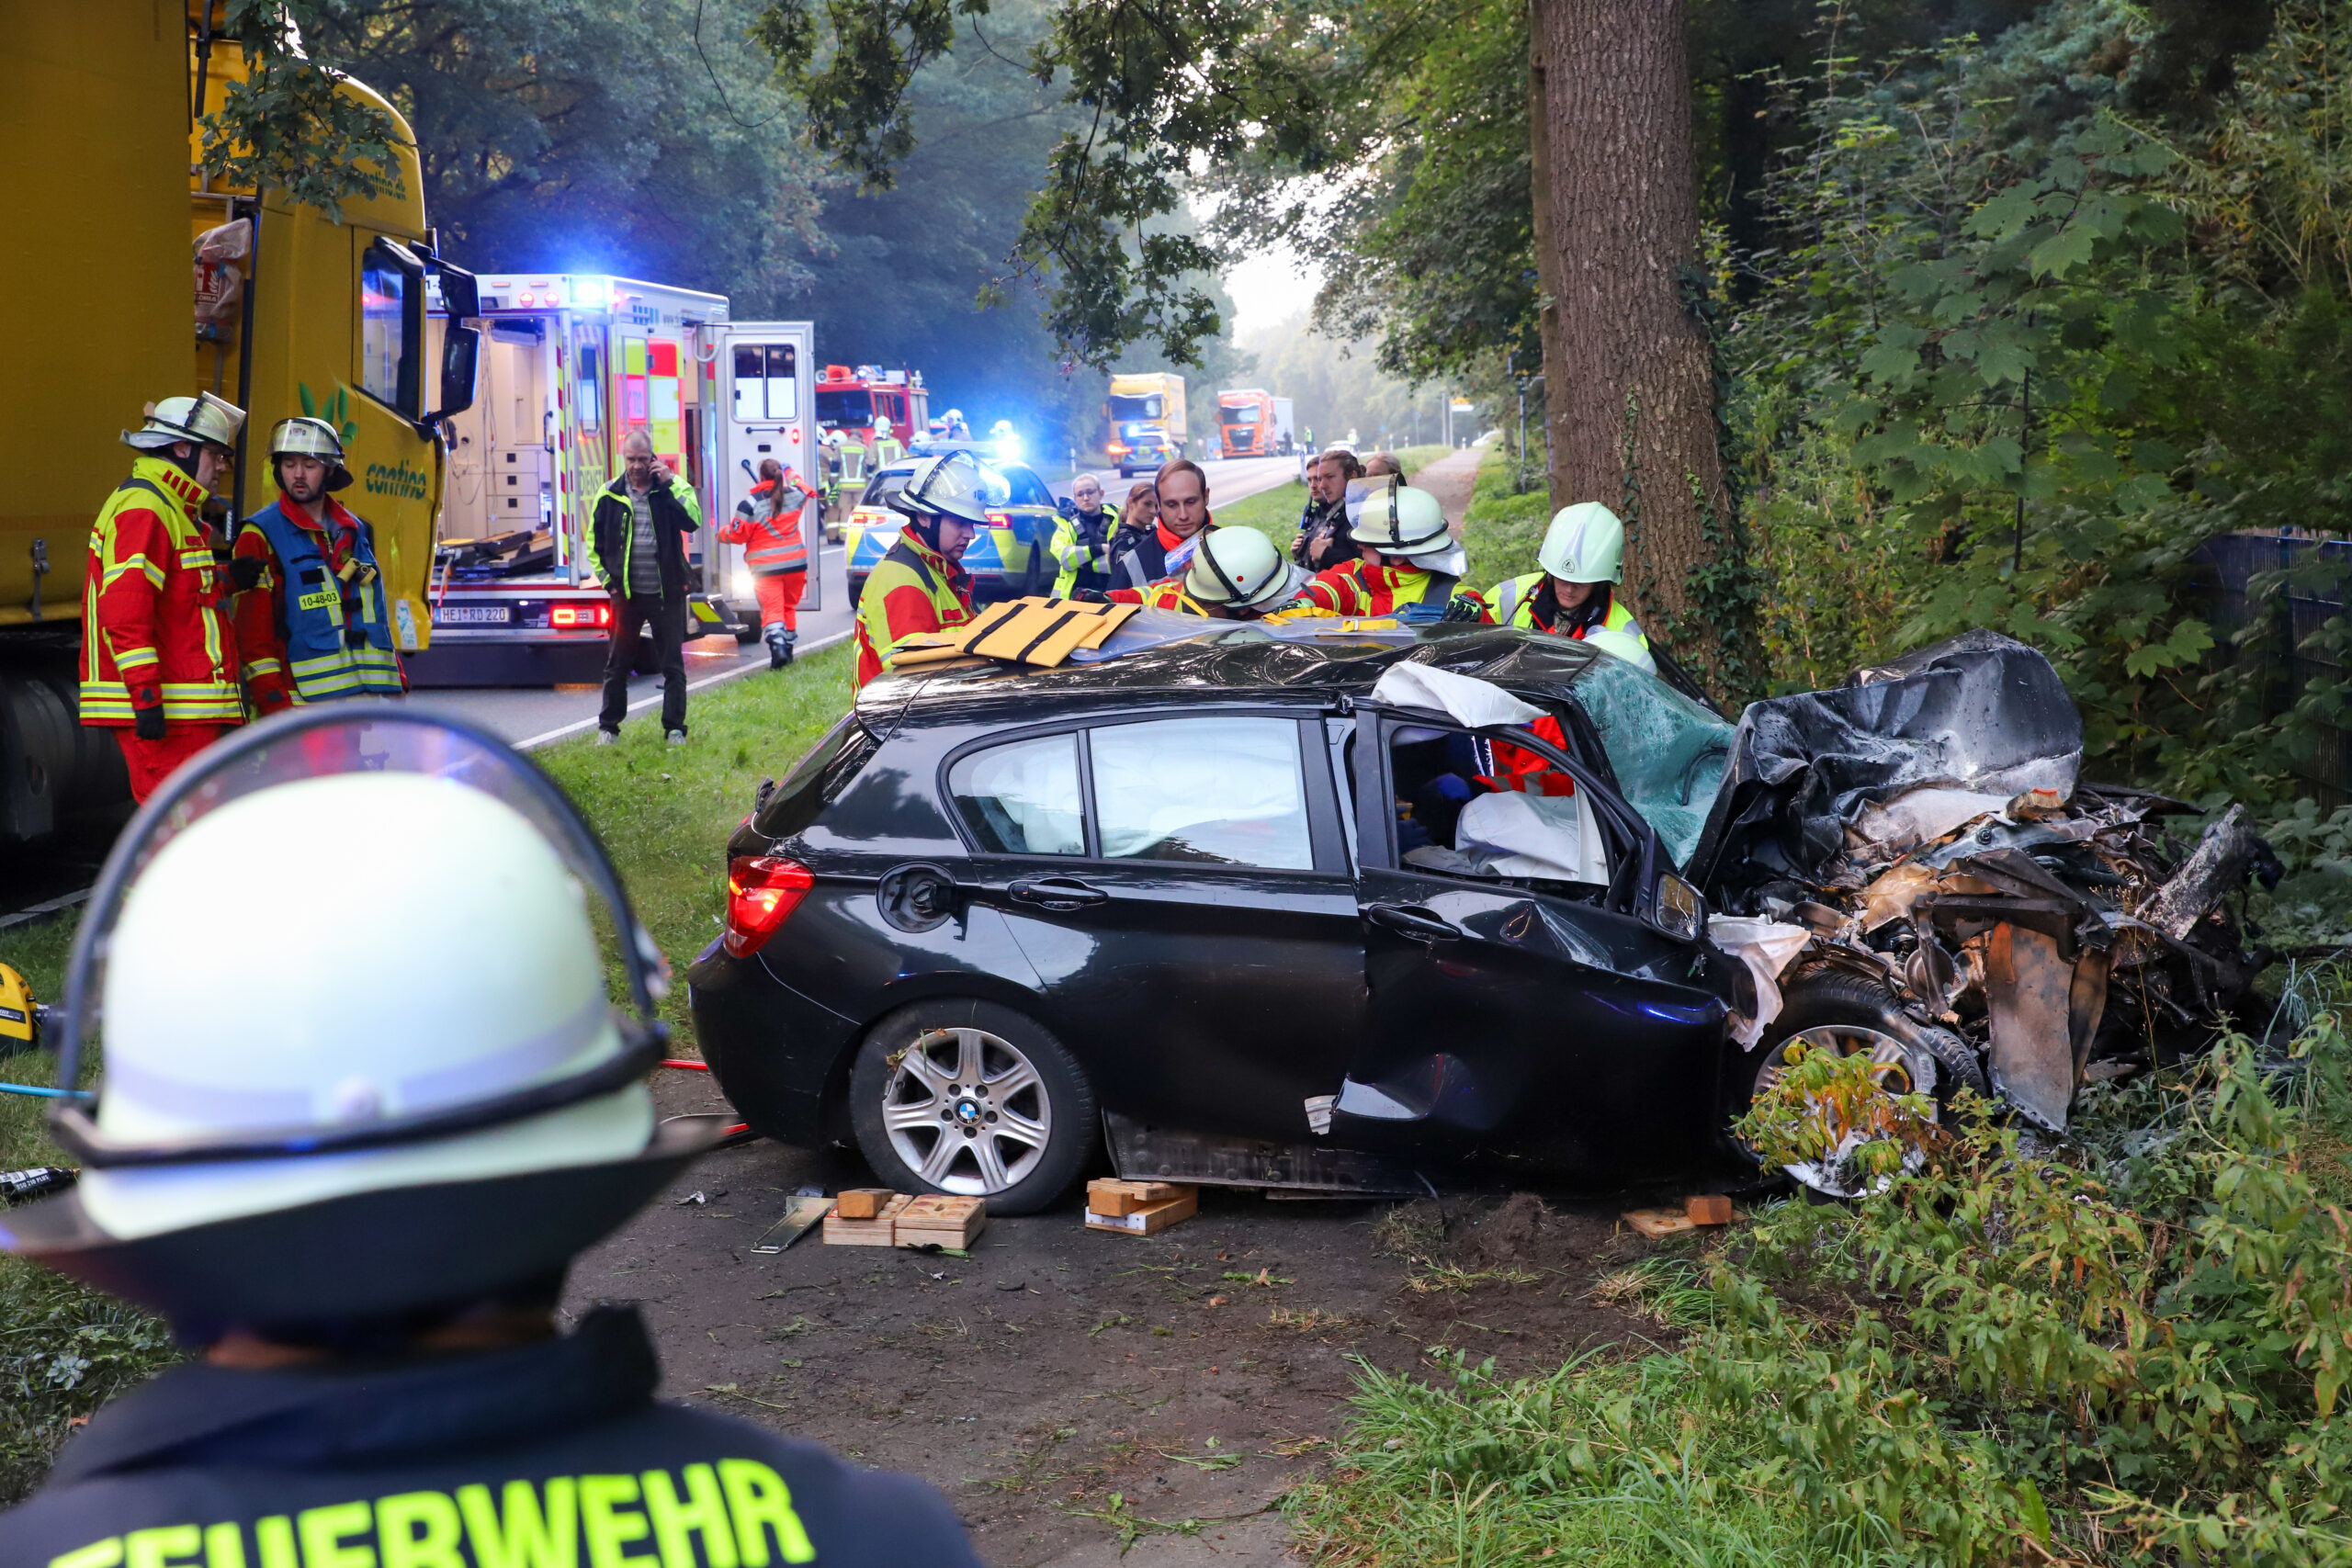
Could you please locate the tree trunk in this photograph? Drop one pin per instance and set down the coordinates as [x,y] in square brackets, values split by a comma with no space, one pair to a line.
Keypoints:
[1547,255]
[1621,353]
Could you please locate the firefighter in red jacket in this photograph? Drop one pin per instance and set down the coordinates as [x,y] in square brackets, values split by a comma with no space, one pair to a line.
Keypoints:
[921,586]
[159,657]
[770,525]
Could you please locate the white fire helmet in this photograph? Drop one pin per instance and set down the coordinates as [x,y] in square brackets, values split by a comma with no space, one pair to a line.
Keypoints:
[401,1080]
[1239,568]
[204,419]
[1586,543]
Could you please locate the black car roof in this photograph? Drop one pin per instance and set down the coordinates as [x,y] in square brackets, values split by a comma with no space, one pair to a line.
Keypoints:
[1244,664]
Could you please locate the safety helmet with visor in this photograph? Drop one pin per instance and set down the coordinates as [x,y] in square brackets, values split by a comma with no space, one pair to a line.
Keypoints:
[1398,520]
[1586,543]
[1240,568]
[375,1115]
[952,485]
[303,436]
[203,419]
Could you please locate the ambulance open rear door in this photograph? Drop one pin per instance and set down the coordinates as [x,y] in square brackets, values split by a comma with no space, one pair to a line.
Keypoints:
[767,407]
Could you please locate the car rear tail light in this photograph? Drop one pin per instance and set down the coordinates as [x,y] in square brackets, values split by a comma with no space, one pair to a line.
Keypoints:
[1113,448]
[762,893]
[1000,519]
[580,615]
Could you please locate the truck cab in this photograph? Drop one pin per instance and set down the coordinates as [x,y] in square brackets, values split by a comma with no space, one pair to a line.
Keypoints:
[1146,415]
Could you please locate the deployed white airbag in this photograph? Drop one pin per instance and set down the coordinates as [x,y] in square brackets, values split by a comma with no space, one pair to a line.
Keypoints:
[1464,698]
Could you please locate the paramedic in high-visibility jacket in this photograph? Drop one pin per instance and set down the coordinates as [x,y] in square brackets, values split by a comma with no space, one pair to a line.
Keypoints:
[770,524]
[355,1192]
[311,618]
[159,656]
[920,585]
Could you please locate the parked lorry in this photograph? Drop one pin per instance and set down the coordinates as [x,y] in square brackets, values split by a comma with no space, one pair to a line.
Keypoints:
[1145,414]
[571,362]
[284,312]
[1254,423]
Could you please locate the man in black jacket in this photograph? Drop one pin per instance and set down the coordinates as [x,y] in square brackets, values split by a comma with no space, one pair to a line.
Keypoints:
[365,1228]
[1324,538]
[637,542]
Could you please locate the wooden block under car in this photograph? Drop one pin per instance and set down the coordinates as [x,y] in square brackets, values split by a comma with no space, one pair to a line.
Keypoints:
[1659,1221]
[1151,1218]
[879,1231]
[1108,1195]
[936,1220]
[1707,1209]
[862,1202]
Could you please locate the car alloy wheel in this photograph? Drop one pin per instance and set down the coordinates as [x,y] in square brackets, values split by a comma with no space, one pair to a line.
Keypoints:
[1896,1066]
[968,1112]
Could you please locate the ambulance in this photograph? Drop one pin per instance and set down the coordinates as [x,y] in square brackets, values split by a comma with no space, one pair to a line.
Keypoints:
[569,364]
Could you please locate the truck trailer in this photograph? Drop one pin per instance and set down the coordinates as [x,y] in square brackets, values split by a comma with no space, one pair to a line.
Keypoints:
[284,312]
[1254,423]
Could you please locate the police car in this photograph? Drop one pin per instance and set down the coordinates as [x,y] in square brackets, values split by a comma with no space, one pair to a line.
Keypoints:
[1011,557]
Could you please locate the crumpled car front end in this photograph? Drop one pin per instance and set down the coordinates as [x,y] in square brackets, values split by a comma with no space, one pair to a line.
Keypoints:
[1925,824]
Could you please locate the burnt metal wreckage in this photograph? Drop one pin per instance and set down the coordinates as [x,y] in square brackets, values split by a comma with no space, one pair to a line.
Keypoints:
[1166,899]
[1923,829]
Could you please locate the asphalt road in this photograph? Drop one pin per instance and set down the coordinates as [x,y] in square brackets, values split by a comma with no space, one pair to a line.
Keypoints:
[528,717]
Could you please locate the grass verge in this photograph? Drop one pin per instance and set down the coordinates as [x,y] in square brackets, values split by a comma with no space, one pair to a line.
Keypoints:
[1502,530]
[1273,513]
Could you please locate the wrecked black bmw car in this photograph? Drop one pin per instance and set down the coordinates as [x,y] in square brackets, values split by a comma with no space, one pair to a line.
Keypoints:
[1321,908]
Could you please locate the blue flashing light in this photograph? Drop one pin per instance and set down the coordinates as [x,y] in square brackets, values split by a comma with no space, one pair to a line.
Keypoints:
[589,293]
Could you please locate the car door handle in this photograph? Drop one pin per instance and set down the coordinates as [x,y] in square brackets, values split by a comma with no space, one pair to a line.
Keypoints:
[1056,892]
[1413,921]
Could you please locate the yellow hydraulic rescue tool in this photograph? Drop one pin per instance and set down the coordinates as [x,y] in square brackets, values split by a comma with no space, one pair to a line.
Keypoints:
[142,280]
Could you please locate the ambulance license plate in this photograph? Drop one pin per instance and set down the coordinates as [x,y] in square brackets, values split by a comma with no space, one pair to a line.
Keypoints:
[472,616]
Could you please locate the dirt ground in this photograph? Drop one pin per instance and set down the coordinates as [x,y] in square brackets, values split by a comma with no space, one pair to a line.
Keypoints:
[1076,1393]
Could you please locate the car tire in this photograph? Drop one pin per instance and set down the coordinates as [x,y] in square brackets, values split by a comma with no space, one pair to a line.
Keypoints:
[1019,1147]
[1851,1012]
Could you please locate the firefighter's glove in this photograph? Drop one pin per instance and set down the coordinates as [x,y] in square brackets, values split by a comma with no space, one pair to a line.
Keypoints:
[1088,596]
[245,572]
[1461,608]
[148,723]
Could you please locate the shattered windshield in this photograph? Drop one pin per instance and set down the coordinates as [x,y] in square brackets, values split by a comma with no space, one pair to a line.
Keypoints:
[1667,751]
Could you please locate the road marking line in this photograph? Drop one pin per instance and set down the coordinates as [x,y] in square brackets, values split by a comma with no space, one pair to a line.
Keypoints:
[749,666]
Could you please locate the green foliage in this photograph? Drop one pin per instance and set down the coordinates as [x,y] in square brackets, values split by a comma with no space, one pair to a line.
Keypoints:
[287,126]
[2131,1350]
[2004,377]
[64,1351]
[1602,1463]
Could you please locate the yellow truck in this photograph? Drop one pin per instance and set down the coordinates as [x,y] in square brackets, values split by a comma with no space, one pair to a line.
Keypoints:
[284,312]
[1145,414]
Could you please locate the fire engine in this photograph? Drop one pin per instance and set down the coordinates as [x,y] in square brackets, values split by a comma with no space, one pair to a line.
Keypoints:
[867,402]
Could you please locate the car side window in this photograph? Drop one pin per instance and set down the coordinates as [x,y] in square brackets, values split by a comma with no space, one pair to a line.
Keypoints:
[1022,798]
[1221,791]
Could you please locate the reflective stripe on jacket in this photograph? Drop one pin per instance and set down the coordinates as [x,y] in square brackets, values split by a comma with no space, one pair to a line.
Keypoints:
[612,531]
[1166,595]
[1082,550]
[316,604]
[152,625]
[1360,588]
[772,540]
[913,588]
